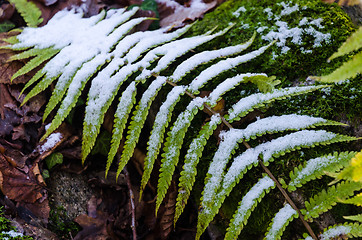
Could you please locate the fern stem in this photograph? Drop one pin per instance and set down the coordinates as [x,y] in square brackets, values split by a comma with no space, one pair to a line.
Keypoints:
[286,196]
[270,174]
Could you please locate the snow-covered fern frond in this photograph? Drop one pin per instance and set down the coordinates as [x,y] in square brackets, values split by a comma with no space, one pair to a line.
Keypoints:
[106,55]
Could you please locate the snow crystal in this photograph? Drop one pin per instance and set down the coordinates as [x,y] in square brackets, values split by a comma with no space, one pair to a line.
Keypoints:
[227,85]
[284,215]
[12,234]
[222,66]
[319,36]
[253,100]
[269,12]
[204,57]
[303,22]
[288,9]
[335,232]
[238,11]
[50,142]
[250,199]
[261,29]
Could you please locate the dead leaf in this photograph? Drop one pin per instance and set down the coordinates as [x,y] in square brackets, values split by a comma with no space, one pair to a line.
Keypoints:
[93,228]
[6,11]
[17,185]
[173,13]
[166,222]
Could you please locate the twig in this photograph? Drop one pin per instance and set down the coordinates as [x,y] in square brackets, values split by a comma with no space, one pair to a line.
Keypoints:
[279,186]
[131,205]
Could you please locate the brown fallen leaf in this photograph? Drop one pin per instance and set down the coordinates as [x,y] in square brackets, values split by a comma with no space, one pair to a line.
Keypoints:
[6,11]
[17,185]
[166,222]
[173,13]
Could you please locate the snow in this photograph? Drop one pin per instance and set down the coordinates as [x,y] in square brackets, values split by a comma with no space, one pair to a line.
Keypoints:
[304,138]
[335,232]
[170,52]
[288,9]
[276,124]
[227,85]
[50,142]
[125,101]
[313,166]
[204,57]
[283,33]
[238,11]
[147,97]
[250,199]
[284,215]
[197,144]
[160,123]
[222,66]
[253,100]
[12,234]
[152,39]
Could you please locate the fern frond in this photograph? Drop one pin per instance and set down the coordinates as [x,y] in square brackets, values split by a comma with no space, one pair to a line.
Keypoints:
[206,56]
[348,70]
[223,66]
[11,40]
[248,104]
[29,11]
[152,39]
[227,85]
[356,200]
[138,120]
[340,231]
[40,86]
[74,91]
[280,222]
[173,145]
[171,51]
[215,192]
[26,54]
[247,205]
[192,157]
[353,172]
[353,43]
[316,167]
[264,83]
[38,75]
[42,56]
[357,217]
[124,108]
[155,141]
[324,201]
[100,97]
[258,128]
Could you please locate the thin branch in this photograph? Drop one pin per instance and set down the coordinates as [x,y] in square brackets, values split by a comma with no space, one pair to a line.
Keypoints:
[270,174]
[132,205]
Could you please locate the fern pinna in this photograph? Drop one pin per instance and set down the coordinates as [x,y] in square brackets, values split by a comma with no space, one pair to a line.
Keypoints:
[103,50]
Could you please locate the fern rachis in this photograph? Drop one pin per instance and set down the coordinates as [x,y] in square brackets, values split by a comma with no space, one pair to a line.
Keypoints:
[122,63]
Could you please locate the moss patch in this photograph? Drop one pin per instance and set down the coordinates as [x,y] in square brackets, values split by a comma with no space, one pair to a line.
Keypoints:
[305,56]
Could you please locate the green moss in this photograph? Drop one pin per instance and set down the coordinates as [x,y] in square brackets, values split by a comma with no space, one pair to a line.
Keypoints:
[294,64]
[7,231]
